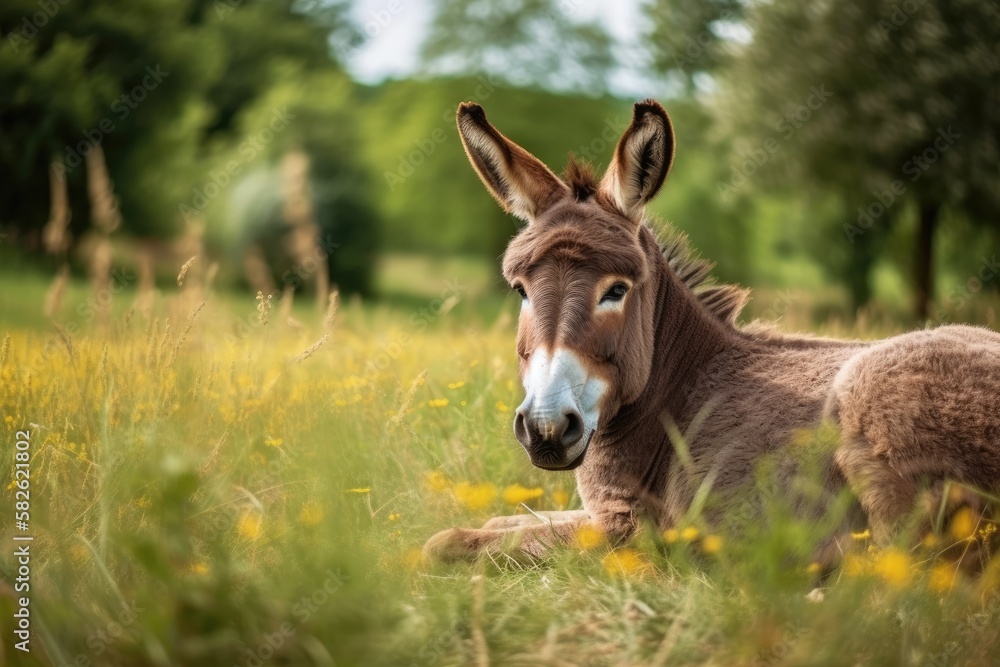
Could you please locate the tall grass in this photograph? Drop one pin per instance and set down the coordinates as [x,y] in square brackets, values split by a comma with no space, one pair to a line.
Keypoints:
[205,493]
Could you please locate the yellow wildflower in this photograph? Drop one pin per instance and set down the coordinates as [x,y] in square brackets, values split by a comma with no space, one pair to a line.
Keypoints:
[624,562]
[895,567]
[516,494]
[930,541]
[813,568]
[456,385]
[201,569]
[475,496]
[394,517]
[502,407]
[437,402]
[273,442]
[863,535]
[671,535]
[560,498]
[689,534]
[249,526]
[359,489]
[311,514]
[986,531]
[437,481]
[712,544]
[963,525]
[942,578]
[473,363]
[588,537]
[855,565]
[413,559]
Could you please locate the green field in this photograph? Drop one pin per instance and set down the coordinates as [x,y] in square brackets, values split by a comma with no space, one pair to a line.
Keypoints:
[206,491]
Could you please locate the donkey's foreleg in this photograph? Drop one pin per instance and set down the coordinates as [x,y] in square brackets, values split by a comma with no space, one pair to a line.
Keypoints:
[520,520]
[533,540]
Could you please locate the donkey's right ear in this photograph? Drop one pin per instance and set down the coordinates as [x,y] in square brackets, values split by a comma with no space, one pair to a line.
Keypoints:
[517,179]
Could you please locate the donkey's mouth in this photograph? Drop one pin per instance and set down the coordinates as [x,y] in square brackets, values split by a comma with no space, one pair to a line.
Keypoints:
[547,458]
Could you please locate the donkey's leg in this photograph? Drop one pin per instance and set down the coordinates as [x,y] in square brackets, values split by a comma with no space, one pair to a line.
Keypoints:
[531,518]
[531,540]
[885,494]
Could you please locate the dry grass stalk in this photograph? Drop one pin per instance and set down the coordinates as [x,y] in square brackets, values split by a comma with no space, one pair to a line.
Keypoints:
[184,333]
[56,292]
[4,350]
[55,235]
[147,282]
[103,204]
[184,270]
[255,269]
[408,399]
[263,308]
[213,271]
[308,353]
[287,299]
[331,312]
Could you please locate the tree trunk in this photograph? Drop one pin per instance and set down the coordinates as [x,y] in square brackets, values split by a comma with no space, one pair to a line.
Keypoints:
[924,260]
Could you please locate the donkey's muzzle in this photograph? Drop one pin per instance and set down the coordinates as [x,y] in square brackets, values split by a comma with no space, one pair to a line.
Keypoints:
[551,440]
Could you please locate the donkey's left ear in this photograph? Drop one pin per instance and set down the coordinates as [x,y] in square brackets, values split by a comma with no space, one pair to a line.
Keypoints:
[642,159]
[517,179]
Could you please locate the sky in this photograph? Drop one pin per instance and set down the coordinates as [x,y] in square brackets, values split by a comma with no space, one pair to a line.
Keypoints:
[394,38]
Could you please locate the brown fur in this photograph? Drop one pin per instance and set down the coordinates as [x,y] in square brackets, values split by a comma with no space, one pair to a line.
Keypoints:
[912,410]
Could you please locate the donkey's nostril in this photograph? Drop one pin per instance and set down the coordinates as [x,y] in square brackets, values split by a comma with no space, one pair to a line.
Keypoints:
[521,428]
[573,430]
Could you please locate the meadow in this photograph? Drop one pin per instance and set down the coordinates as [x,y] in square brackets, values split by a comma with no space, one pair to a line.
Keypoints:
[244,483]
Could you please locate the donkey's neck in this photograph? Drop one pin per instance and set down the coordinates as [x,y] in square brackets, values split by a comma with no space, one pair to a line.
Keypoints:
[687,336]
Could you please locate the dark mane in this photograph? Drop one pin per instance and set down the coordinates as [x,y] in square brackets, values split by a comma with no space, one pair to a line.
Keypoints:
[580,177]
[722,300]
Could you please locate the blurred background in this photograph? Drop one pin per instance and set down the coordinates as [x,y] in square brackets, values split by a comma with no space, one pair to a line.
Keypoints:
[839,157]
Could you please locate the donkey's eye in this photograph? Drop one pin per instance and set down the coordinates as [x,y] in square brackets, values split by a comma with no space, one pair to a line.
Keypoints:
[615,293]
[519,288]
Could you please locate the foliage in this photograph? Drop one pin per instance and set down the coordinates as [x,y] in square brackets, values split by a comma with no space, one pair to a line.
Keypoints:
[203,493]
[174,92]
[885,104]
[523,42]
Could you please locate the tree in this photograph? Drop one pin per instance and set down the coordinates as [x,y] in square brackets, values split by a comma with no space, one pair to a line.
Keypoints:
[896,105]
[523,42]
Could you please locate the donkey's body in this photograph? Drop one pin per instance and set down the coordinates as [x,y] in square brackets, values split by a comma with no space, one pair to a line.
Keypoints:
[666,358]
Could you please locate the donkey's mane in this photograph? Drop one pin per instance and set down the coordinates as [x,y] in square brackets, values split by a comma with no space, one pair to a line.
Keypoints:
[722,300]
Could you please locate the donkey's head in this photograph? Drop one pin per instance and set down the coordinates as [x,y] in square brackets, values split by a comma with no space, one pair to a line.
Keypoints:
[582,269]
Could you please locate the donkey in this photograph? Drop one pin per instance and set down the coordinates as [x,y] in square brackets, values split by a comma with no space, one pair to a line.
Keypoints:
[624,340]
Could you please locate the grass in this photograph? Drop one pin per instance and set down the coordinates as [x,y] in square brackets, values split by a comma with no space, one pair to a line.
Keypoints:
[201,497]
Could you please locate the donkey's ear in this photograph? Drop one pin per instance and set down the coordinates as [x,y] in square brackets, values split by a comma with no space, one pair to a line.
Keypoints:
[516,178]
[642,159]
